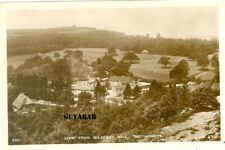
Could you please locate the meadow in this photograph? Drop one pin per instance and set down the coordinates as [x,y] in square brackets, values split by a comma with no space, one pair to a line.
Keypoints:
[90,54]
[148,68]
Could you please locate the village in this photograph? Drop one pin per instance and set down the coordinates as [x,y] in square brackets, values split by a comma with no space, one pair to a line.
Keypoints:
[114,86]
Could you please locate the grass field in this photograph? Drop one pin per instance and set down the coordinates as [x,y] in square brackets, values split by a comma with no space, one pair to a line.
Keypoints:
[148,68]
[90,54]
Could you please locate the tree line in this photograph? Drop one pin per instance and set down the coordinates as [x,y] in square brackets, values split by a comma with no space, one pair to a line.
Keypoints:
[45,40]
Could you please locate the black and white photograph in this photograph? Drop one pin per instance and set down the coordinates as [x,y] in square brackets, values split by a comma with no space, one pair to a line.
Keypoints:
[113,75]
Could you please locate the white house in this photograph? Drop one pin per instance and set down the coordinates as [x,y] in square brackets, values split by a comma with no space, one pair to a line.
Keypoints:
[83,86]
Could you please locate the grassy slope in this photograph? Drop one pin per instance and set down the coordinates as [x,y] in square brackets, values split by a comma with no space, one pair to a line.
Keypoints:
[148,68]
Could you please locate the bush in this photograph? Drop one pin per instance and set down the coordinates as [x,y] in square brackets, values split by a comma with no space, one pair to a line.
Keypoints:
[204,99]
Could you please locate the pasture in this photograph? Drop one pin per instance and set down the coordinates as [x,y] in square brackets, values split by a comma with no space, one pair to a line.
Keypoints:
[148,68]
[90,54]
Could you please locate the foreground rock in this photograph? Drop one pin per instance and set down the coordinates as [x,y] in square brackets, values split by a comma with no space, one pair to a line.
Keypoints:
[202,126]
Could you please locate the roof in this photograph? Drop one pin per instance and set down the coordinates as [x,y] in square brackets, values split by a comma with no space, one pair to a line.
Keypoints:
[143,84]
[145,51]
[122,79]
[47,103]
[21,100]
[116,85]
[83,86]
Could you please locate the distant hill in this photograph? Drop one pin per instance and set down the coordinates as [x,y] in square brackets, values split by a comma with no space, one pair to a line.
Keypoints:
[30,41]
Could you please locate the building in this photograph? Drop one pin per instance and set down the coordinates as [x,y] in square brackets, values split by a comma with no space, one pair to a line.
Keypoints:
[20,101]
[122,79]
[83,86]
[116,88]
[144,51]
[23,104]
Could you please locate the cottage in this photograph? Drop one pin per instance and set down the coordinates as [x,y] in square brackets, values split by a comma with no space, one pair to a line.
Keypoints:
[24,104]
[20,101]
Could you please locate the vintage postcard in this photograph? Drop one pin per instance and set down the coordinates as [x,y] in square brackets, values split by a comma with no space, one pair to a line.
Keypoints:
[113,73]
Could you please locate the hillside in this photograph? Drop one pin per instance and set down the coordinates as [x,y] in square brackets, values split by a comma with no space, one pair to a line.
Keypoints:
[30,41]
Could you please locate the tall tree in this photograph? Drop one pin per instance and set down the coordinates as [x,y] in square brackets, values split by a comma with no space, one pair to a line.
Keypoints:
[112,51]
[99,90]
[204,99]
[61,82]
[130,57]
[203,61]
[164,60]
[84,100]
[121,68]
[127,91]
[136,91]
[214,61]
[108,62]
[180,71]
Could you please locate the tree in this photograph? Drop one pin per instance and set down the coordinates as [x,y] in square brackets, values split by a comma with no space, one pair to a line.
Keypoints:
[61,78]
[32,62]
[180,71]
[184,64]
[156,89]
[84,100]
[164,60]
[56,55]
[76,54]
[11,73]
[127,91]
[32,85]
[99,90]
[108,62]
[112,51]
[121,68]
[214,61]
[136,91]
[156,85]
[204,99]
[203,60]
[130,57]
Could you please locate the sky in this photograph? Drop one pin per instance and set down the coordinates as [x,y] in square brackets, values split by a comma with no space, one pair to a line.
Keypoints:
[175,22]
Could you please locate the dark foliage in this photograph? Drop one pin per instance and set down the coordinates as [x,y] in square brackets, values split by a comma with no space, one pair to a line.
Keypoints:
[28,42]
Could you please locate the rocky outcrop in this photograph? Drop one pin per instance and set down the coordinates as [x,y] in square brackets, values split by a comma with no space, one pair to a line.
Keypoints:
[202,126]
